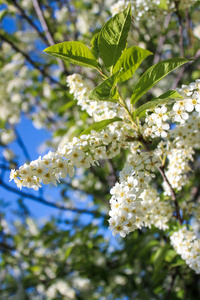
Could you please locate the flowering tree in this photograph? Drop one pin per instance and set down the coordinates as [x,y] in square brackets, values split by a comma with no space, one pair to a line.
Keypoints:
[133,141]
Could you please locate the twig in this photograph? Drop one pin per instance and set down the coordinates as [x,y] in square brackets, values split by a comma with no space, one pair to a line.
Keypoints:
[161,40]
[79,190]
[42,20]
[112,176]
[45,27]
[196,195]
[162,172]
[45,202]
[178,78]
[22,146]
[4,167]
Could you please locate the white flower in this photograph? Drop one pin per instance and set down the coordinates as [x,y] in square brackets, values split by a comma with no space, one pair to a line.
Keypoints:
[193,102]
[187,245]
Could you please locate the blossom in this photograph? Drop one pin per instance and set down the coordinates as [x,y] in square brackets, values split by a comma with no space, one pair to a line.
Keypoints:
[187,245]
[134,203]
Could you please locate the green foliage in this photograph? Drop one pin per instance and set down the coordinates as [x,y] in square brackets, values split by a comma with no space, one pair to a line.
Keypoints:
[113,37]
[100,125]
[163,4]
[162,99]
[154,74]
[74,52]
[95,45]
[129,61]
[103,90]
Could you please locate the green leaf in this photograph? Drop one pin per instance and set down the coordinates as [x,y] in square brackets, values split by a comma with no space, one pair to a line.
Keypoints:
[95,46]
[160,256]
[129,61]
[68,252]
[66,106]
[162,99]
[75,53]
[3,13]
[155,74]
[100,125]
[113,36]
[104,90]
[178,263]
[163,4]
[171,253]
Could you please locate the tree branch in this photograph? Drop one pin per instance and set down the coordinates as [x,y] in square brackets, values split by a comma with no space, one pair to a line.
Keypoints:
[162,172]
[22,146]
[45,202]
[161,40]
[45,27]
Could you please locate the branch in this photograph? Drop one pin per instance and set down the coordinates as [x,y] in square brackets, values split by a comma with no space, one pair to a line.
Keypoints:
[43,22]
[33,63]
[178,78]
[161,40]
[22,146]
[4,167]
[6,247]
[112,175]
[45,27]
[162,172]
[80,190]
[45,202]
[24,15]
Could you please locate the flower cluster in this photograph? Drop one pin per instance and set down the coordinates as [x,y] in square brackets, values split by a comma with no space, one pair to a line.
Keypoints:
[178,167]
[134,203]
[127,202]
[155,123]
[188,246]
[155,211]
[98,110]
[81,152]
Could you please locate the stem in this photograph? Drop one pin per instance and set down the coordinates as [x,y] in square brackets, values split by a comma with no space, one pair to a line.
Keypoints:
[162,172]
[22,146]
[161,40]
[124,105]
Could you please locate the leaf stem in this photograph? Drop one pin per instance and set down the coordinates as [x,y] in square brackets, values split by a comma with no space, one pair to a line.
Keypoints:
[124,105]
